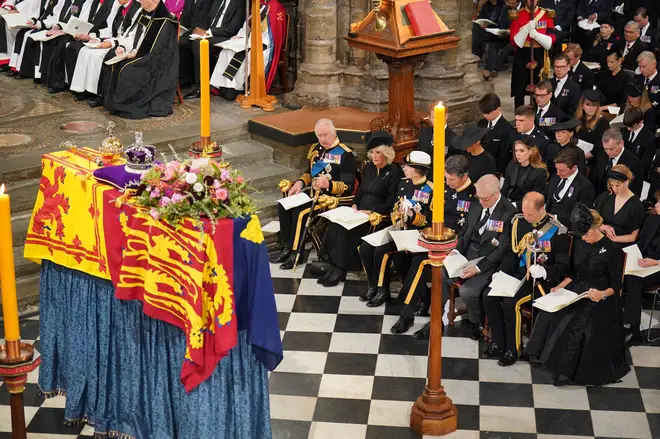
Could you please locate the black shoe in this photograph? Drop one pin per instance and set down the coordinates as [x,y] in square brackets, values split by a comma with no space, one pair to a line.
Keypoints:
[402,325]
[421,310]
[633,339]
[79,97]
[5,68]
[280,257]
[508,359]
[320,268]
[11,73]
[382,296]
[369,294]
[53,90]
[290,262]
[193,94]
[18,76]
[425,332]
[477,332]
[492,351]
[336,275]
[96,102]
[37,81]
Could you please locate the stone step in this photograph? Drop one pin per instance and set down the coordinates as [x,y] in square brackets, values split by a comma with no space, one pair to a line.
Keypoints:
[22,266]
[23,194]
[19,227]
[27,290]
[265,177]
[246,152]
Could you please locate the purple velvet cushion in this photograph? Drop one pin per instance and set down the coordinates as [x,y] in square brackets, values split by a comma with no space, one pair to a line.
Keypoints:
[118,176]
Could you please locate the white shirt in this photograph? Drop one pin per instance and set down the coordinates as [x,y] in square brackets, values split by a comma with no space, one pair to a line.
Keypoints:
[569,182]
[634,134]
[493,122]
[222,15]
[529,133]
[491,209]
[574,68]
[616,159]
[645,29]
[560,85]
[543,110]
[628,47]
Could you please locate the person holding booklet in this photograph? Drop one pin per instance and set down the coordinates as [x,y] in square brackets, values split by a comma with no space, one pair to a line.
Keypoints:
[375,197]
[412,211]
[593,124]
[584,341]
[494,14]
[634,284]
[332,171]
[486,235]
[503,308]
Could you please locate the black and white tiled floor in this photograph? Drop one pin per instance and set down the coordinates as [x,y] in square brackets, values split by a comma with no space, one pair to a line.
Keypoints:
[345,376]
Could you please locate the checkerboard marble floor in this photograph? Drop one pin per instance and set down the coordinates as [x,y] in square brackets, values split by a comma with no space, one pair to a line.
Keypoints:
[345,376]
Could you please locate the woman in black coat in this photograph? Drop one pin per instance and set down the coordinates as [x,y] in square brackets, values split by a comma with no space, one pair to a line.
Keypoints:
[377,193]
[564,131]
[526,172]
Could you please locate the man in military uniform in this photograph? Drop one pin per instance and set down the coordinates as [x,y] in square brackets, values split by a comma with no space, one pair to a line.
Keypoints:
[459,192]
[532,37]
[412,210]
[550,267]
[333,170]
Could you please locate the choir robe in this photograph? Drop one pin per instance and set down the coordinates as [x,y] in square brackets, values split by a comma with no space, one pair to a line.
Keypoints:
[44,16]
[29,8]
[121,31]
[145,85]
[55,73]
[225,75]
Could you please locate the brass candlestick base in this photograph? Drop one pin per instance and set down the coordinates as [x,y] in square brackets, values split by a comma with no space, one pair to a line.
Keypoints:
[16,361]
[206,149]
[433,413]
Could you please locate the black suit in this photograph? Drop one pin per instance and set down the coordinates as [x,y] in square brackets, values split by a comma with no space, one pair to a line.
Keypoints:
[651,37]
[564,15]
[601,7]
[195,13]
[569,96]
[232,21]
[484,42]
[548,119]
[653,89]
[627,158]
[492,245]
[583,76]
[542,141]
[581,190]
[644,148]
[630,59]
[499,142]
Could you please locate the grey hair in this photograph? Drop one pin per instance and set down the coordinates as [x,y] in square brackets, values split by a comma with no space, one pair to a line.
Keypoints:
[612,134]
[488,183]
[646,55]
[327,122]
[387,151]
[456,165]
[632,24]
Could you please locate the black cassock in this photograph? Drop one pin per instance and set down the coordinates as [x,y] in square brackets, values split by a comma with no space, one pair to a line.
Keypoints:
[584,341]
[56,72]
[145,85]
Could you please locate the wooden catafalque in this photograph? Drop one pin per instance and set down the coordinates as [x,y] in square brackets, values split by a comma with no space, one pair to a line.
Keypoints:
[386,31]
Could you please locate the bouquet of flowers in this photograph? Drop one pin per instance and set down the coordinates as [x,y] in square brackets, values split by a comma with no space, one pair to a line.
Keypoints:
[177,190]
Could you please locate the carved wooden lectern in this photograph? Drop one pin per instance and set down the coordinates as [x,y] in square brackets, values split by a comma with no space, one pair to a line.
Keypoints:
[387,32]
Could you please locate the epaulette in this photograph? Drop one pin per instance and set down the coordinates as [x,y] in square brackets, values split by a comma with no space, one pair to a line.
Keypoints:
[550,12]
[517,217]
[513,14]
[344,147]
[311,151]
[562,228]
[430,183]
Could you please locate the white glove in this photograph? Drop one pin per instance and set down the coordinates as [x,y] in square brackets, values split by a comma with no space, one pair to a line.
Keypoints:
[532,33]
[544,40]
[558,27]
[530,25]
[537,271]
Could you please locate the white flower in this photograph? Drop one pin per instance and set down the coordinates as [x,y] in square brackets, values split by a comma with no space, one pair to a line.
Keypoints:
[191,178]
[198,187]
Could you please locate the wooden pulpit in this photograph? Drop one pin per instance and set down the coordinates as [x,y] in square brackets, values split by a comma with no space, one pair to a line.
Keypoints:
[387,32]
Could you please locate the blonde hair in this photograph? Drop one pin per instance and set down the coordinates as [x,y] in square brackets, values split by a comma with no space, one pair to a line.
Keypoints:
[386,150]
[644,103]
[598,220]
[582,116]
[622,169]
[535,160]
[575,48]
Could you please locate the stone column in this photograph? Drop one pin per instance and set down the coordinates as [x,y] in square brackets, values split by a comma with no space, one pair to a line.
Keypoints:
[319,76]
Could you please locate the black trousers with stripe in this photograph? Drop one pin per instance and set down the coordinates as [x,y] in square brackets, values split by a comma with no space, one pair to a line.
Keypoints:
[504,317]
[292,222]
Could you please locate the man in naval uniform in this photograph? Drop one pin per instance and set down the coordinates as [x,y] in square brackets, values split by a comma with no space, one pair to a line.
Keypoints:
[532,37]
[551,240]
[333,171]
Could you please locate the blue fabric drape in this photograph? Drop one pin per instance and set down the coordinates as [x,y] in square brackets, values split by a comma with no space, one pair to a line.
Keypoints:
[120,370]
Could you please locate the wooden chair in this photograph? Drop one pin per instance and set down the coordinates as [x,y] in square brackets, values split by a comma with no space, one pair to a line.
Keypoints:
[452,313]
[283,63]
[655,290]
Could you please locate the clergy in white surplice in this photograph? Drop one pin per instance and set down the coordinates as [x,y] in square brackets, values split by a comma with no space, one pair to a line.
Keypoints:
[27,8]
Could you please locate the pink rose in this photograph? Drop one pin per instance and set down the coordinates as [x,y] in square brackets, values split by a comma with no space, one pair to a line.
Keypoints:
[155,193]
[195,171]
[239,179]
[169,174]
[154,213]
[221,194]
[224,175]
[177,198]
[217,184]
[165,201]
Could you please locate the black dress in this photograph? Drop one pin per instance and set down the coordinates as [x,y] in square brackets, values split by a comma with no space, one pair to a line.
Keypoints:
[518,180]
[628,219]
[594,135]
[377,193]
[584,341]
[480,165]
[598,53]
[613,87]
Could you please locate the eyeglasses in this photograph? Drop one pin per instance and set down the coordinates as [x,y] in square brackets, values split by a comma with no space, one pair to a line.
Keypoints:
[540,95]
[485,200]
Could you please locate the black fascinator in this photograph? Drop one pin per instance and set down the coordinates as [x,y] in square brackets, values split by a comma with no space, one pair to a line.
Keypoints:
[581,219]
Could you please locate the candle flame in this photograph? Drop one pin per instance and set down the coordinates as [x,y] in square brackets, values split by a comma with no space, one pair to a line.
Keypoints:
[439,105]
[2,189]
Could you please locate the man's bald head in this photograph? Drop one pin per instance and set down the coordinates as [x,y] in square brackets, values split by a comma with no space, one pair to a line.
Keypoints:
[533,207]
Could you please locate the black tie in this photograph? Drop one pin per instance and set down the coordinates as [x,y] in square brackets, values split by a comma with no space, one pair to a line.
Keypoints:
[646,82]
[560,187]
[610,163]
[218,13]
[490,125]
[632,136]
[538,113]
[483,221]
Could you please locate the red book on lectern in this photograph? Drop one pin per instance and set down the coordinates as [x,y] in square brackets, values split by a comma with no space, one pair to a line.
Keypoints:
[422,18]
